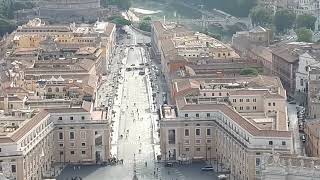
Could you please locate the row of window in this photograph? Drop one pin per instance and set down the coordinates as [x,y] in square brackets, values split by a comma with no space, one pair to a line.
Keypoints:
[57,89]
[72,144]
[197,132]
[247,100]
[73,152]
[72,135]
[197,115]
[212,94]
[71,118]
[197,141]
[273,104]
[247,108]
[198,149]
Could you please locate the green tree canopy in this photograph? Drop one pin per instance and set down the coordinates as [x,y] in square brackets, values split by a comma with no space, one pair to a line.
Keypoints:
[120,21]
[145,26]
[304,34]
[261,16]
[249,72]
[7,8]
[283,20]
[306,20]
[6,26]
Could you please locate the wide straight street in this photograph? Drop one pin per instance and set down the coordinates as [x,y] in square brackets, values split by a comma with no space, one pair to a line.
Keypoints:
[128,93]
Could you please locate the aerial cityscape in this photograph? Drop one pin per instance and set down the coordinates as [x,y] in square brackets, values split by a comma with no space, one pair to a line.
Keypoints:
[159,89]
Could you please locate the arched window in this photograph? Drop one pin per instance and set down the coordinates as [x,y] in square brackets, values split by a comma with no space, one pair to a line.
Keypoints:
[49,90]
[64,89]
[57,89]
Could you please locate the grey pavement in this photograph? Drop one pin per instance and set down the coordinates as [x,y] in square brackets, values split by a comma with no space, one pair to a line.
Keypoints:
[134,119]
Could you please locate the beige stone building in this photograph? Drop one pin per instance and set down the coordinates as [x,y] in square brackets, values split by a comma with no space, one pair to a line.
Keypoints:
[33,149]
[226,121]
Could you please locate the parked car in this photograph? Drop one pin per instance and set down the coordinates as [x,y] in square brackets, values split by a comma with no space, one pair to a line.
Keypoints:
[168,164]
[207,168]
[303,138]
[222,176]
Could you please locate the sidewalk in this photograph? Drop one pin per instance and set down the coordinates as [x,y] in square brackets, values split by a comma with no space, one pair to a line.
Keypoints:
[117,109]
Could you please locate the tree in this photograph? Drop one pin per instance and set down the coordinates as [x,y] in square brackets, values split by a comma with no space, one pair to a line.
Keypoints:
[249,72]
[284,19]
[7,8]
[6,26]
[145,26]
[120,21]
[260,16]
[306,20]
[304,34]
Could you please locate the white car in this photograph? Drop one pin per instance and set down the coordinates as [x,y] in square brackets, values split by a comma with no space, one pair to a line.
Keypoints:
[222,176]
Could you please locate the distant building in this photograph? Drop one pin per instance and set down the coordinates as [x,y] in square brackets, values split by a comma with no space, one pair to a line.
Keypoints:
[291,63]
[253,45]
[69,10]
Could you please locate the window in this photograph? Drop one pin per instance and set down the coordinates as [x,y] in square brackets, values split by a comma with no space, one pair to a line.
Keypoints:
[283,143]
[71,135]
[60,135]
[83,152]
[208,114]
[241,108]
[254,100]
[198,132]
[61,153]
[83,134]
[212,94]
[82,117]
[71,118]
[234,100]
[269,104]
[197,115]
[72,152]
[172,136]
[0,149]
[186,115]
[204,94]
[241,100]
[301,82]
[61,145]
[83,144]
[187,149]
[71,128]
[270,142]
[208,141]
[257,161]
[186,141]
[60,118]
[208,132]
[220,94]
[82,127]
[60,128]
[274,104]
[198,149]
[57,89]
[72,144]
[247,108]
[13,168]
[186,132]
[247,100]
